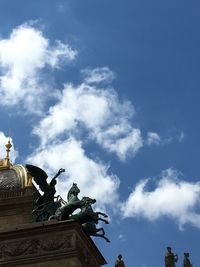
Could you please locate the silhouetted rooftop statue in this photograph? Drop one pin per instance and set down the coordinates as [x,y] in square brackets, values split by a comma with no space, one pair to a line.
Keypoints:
[170,258]
[119,262]
[186,261]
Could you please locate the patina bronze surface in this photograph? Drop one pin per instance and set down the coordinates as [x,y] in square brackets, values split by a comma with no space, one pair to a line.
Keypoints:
[49,207]
[186,260]
[45,205]
[119,262]
[170,258]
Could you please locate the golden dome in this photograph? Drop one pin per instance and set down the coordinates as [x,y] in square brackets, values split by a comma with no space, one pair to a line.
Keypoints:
[13,177]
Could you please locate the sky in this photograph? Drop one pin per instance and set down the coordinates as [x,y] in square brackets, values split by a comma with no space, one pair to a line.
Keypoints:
[109,90]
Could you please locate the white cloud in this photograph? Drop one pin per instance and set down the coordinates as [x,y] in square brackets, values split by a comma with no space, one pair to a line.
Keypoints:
[121,238]
[129,144]
[153,138]
[97,75]
[97,111]
[91,176]
[173,197]
[173,135]
[3,141]
[181,137]
[23,57]
[59,54]
[100,116]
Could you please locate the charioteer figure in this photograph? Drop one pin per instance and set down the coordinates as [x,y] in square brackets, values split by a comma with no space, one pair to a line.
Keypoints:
[40,177]
[45,205]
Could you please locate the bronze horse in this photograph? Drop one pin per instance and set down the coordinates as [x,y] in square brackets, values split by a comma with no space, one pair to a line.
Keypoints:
[89,218]
[73,203]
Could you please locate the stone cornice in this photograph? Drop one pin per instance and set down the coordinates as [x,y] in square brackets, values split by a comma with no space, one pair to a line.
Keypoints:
[48,240]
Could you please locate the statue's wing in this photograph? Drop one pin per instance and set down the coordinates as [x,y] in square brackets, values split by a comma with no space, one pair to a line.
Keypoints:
[39,176]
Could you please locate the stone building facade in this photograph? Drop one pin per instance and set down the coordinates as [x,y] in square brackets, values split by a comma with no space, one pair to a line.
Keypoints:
[24,243]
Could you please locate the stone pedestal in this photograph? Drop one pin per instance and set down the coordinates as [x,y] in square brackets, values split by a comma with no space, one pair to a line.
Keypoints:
[48,244]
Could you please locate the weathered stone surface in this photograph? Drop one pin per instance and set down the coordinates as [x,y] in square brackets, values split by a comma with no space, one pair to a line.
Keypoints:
[48,244]
[41,244]
[16,208]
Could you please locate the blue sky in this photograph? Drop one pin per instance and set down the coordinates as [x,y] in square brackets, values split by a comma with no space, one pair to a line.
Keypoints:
[109,90]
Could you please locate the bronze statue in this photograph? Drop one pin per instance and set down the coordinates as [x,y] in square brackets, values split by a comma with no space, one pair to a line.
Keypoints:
[49,207]
[170,258]
[40,177]
[91,229]
[45,206]
[87,213]
[119,262]
[89,218]
[73,203]
[186,261]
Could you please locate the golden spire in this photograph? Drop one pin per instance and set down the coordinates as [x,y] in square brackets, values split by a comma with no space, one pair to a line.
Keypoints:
[5,163]
[8,147]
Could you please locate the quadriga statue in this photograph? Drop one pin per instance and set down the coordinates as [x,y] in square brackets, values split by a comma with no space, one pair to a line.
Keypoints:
[49,207]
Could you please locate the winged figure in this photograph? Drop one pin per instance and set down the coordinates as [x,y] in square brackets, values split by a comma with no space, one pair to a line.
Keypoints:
[40,177]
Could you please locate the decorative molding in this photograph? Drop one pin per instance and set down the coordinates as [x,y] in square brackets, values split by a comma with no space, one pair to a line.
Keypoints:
[87,257]
[35,246]
[12,193]
[46,242]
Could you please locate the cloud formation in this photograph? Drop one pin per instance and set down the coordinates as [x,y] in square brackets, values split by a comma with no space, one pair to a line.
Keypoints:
[172,197]
[86,112]
[153,138]
[97,75]
[100,116]
[91,110]
[23,57]
[99,113]
[91,175]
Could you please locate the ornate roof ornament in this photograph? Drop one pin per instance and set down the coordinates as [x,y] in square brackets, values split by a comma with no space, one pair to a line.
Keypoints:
[6,163]
[13,178]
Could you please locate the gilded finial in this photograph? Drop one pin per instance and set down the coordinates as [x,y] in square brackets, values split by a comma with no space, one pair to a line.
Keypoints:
[8,147]
[5,163]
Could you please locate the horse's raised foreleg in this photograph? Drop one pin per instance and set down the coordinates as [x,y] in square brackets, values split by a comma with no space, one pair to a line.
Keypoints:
[103,214]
